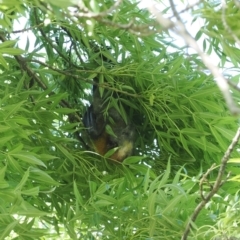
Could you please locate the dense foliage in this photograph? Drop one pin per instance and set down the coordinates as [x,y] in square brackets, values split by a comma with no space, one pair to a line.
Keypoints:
[52,185]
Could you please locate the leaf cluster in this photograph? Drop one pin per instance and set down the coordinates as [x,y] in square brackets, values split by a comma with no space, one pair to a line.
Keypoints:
[51,183]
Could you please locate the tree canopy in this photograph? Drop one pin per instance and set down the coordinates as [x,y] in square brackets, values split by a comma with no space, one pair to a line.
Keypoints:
[171,67]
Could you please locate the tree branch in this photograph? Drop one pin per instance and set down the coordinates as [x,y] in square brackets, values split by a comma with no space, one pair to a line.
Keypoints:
[103,85]
[218,183]
[28,29]
[179,28]
[190,6]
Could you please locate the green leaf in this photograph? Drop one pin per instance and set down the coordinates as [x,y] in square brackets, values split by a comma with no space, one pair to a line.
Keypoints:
[101,81]
[3,183]
[92,187]
[29,158]
[234,160]
[65,110]
[220,140]
[4,128]
[3,62]
[199,142]
[4,140]
[151,99]
[31,192]
[14,164]
[193,132]
[185,144]
[110,131]
[166,175]
[26,209]
[8,43]
[65,152]
[11,51]
[227,133]
[8,229]
[110,152]
[102,203]
[151,204]
[23,181]
[198,35]
[42,176]
[77,194]
[133,160]
[106,198]
[20,83]
[12,109]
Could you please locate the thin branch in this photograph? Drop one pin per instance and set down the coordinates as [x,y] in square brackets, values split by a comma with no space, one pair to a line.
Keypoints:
[28,29]
[50,43]
[204,180]
[175,13]
[103,85]
[218,183]
[189,6]
[235,86]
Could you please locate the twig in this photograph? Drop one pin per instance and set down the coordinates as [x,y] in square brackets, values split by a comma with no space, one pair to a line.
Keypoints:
[50,43]
[204,179]
[218,183]
[175,13]
[190,6]
[235,86]
[28,29]
[103,85]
